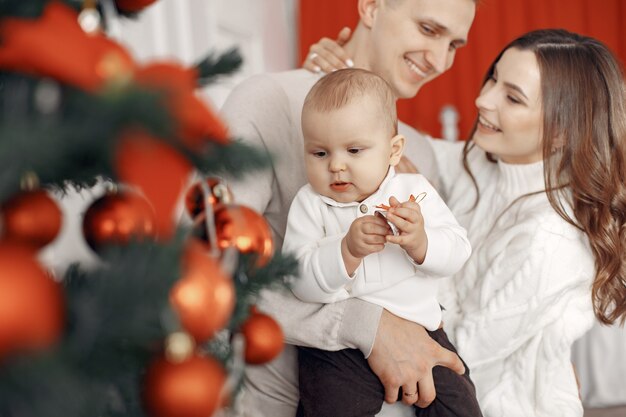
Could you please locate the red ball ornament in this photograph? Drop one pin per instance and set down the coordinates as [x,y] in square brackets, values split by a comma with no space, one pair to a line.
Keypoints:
[31,304]
[195,199]
[116,218]
[242,228]
[133,5]
[204,297]
[264,338]
[191,388]
[158,170]
[31,218]
[44,46]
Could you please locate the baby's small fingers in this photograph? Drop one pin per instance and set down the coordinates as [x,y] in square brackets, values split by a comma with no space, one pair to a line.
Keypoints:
[397,239]
[375,239]
[412,213]
[377,230]
[399,221]
[393,202]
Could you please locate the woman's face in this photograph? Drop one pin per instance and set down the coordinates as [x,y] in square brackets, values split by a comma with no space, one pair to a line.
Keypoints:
[510,116]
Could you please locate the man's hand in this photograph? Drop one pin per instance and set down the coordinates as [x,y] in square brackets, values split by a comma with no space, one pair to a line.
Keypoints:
[404,355]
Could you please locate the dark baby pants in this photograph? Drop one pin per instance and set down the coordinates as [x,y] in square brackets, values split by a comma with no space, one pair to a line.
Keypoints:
[341,384]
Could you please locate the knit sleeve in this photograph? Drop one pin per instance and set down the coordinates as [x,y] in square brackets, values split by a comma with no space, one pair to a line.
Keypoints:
[534,303]
[256,111]
[323,275]
[536,280]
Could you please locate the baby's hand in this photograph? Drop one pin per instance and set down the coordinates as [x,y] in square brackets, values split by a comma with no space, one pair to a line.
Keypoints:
[407,217]
[366,236]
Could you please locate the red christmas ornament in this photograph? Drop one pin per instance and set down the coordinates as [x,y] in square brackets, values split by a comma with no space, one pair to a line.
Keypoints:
[190,388]
[242,228]
[197,122]
[133,5]
[116,218]
[195,198]
[204,297]
[55,46]
[31,218]
[264,338]
[158,170]
[31,304]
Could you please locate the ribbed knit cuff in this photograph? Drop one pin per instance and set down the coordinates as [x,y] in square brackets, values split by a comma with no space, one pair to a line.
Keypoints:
[359,325]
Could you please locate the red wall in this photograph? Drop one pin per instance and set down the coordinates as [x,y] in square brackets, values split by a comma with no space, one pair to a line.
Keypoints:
[497,22]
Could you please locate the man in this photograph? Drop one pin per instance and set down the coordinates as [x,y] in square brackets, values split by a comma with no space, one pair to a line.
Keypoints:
[408,43]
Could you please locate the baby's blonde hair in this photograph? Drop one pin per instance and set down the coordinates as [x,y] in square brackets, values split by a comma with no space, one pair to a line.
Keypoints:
[339,88]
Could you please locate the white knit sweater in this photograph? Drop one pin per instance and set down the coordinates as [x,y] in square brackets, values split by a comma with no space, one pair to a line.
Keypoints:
[519,303]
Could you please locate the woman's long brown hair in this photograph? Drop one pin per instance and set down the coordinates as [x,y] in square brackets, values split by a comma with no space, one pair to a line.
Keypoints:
[584,149]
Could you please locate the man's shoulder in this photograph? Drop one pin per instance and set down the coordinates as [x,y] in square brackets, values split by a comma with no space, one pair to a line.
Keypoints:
[410,132]
[290,83]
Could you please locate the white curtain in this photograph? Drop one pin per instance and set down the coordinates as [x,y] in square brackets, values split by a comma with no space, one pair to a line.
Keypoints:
[186,30]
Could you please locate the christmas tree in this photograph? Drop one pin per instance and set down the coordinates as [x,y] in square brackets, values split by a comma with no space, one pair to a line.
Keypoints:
[164,323]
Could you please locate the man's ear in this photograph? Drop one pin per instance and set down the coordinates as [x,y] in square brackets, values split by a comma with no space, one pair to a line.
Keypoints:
[367,11]
[397,148]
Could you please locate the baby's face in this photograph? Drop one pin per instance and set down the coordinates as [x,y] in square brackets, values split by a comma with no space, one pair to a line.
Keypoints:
[347,151]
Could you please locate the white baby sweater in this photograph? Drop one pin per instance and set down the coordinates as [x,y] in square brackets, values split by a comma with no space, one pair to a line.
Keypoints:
[390,278]
[519,303]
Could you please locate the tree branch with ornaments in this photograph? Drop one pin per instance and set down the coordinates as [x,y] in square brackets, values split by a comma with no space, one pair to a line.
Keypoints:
[166,307]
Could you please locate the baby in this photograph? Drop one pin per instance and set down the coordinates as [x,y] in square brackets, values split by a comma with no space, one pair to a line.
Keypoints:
[361,230]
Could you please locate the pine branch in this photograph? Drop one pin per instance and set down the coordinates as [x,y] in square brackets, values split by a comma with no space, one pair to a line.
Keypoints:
[21,8]
[249,281]
[234,159]
[116,312]
[75,143]
[210,67]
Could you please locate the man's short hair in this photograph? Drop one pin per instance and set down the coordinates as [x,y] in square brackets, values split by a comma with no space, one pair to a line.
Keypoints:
[339,88]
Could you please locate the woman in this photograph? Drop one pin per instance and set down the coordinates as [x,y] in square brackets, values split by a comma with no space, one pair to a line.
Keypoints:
[539,189]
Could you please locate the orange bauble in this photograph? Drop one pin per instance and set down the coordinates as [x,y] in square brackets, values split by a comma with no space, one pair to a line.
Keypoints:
[242,228]
[55,46]
[116,218]
[31,218]
[197,123]
[31,304]
[191,388]
[264,338]
[218,193]
[158,170]
[133,5]
[204,297]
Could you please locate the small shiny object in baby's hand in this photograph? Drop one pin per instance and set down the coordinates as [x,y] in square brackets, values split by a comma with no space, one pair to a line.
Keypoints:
[383,208]
[383,215]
